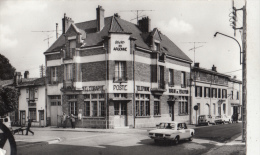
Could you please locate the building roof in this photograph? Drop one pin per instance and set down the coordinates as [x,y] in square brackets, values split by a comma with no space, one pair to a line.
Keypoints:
[209,71]
[115,24]
[32,82]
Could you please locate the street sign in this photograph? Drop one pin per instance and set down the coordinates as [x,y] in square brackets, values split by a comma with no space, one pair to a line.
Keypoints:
[196,107]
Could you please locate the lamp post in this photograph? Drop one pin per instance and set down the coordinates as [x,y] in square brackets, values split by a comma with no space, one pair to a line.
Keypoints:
[244,100]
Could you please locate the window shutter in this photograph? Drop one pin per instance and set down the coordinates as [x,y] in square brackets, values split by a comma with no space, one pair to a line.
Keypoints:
[222,93]
[196,91]
[226,93]
[27,93]
[36,93]
[200,91]
[179,109]
[204,91]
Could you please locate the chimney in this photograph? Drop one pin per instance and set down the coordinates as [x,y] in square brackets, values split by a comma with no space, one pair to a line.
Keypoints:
[100,18]
[145,24]
[214,68]
[17,78]
[57,31]
[26,74]
[116,15]
[66,22]
[197,64]
[235,76]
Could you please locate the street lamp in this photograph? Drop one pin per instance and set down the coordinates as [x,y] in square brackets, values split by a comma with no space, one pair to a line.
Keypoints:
[243,86]
[231,38]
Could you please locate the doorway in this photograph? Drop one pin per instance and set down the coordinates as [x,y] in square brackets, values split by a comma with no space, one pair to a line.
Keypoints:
[120,114]
[22,118]
[41,117]
[171,110]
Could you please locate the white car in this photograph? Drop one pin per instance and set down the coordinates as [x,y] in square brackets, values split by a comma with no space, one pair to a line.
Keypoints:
[171,131]
[226,119]
[6,121]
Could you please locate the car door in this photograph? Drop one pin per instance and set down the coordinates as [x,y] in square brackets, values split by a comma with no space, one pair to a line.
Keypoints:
[182,131]
[187,131]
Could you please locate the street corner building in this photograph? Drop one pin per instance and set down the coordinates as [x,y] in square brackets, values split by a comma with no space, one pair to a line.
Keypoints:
[214,94]
[112,73]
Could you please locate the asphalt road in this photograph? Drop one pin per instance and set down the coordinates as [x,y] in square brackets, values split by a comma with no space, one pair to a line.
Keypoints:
[96,143]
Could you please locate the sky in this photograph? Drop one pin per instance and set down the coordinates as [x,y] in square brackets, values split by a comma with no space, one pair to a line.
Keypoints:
[184,22]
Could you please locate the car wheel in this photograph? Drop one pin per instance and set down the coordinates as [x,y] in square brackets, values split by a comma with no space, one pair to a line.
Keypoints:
[176,140]
[191,138]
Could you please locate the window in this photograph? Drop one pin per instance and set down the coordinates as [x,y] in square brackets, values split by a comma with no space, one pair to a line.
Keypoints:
[68,72]
[72,46]
[86,108]
[120,74]
[161,81]
[232,95]
[183,107]
[73,108]
[171,77]
[206,92]
[198,91]
[94,108]
[147,108]
[224,93]
[219,93]
[183,83]
[237,95]
[32,113]
[32,94]
[101,96]
[142,105]
[94,96]
[157,108]
[54,75]
[87,96]
[70,97]
[214,93]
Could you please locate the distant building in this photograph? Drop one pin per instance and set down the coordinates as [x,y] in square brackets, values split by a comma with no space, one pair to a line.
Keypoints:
[32,100]
[209,92]
[112,73]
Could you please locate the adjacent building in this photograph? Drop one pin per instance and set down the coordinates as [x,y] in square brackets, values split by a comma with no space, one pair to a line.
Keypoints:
[214,93]
[32,100]
[112,73]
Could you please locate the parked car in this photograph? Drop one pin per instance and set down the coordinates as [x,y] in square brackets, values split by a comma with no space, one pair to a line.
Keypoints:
[219,120]
[226,119]
[206,120]
[171,131]
[6,121]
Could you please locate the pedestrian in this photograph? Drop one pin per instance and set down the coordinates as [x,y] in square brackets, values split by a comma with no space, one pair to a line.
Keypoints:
[72,119]
[28,126]
[233,117]
[64,120]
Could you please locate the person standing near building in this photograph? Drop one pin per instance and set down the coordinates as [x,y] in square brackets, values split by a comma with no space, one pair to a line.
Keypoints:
[64,120]
[72,119]
[28,126]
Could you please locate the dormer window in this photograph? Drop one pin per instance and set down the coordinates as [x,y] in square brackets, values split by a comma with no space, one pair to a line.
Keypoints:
[157,46]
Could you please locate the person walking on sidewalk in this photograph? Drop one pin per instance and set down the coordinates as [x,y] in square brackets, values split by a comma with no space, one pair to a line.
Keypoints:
[64,120]
[28,126]
[72,119]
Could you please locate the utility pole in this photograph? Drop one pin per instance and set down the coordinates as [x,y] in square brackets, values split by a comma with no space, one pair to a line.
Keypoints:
[138,12]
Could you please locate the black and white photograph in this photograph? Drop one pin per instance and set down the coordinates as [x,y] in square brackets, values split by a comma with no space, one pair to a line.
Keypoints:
[129,77]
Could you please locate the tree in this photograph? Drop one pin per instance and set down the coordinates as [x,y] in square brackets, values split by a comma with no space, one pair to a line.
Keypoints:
[6,69]
[8,99]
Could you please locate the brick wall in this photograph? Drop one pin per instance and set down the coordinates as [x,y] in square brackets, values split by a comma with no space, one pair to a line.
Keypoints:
[93,71]
[53,57]
[90,52]
[177,62]
[142,72]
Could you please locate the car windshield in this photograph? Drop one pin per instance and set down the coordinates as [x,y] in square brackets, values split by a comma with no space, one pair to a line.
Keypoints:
[166,126]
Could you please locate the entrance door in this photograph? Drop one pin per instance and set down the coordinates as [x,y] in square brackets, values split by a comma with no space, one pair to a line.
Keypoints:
[41,117]
[171,110]
[219,109]
[120,114]
[22,118]
[56,112]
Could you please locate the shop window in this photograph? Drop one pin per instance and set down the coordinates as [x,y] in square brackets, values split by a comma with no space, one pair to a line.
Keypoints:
[32,113]
[94,108]
[116,108]
[120,71]
[171,77]
[156,108]
[86,108]
[73,108]
[102,111]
